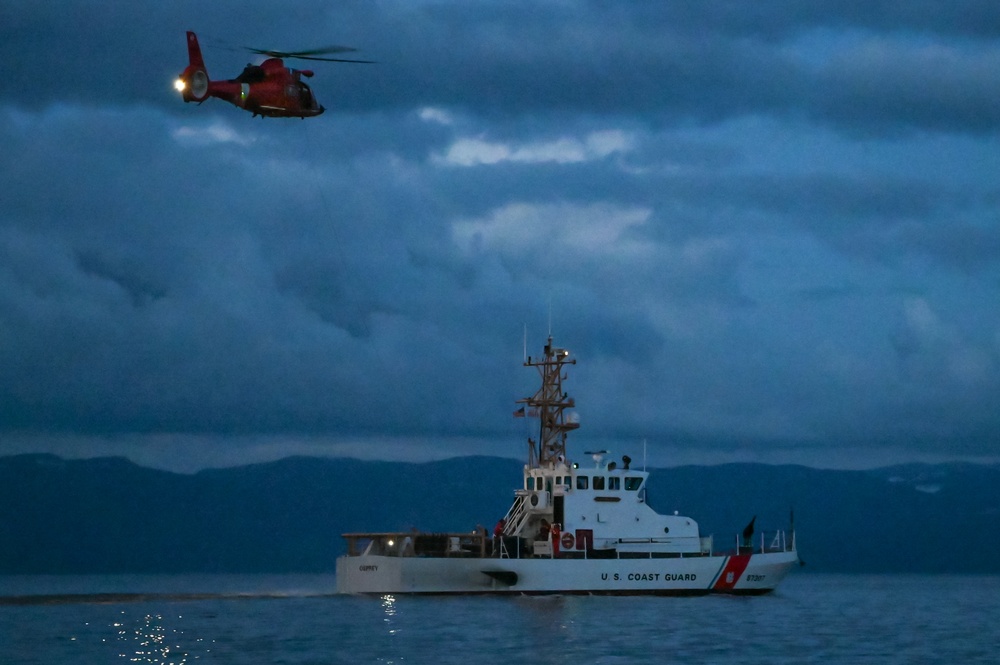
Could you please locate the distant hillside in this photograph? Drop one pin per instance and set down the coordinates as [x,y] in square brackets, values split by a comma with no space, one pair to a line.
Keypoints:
[109,515]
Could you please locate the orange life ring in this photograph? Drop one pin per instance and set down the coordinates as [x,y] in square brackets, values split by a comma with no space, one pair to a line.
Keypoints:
[567,540]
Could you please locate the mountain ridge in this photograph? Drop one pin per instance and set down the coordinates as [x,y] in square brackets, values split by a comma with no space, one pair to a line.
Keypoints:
[109,515]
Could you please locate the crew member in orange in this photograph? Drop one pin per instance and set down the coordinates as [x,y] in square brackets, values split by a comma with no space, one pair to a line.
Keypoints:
[555,538]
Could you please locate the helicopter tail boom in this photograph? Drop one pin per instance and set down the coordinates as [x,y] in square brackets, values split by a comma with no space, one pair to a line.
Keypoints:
[193,82]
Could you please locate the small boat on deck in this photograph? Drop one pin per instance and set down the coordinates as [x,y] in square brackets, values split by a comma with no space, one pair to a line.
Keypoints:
[571,529]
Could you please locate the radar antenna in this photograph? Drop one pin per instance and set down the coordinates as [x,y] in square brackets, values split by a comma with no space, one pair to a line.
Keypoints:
[550,402]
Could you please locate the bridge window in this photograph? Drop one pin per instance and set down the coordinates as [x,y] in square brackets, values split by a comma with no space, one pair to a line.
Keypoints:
[632,483]
[581,482]
[614,483]
[598,482]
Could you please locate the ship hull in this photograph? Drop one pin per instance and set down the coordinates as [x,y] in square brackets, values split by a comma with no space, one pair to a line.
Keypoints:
[735,574]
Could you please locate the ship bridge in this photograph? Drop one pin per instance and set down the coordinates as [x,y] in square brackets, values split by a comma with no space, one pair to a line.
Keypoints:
[600,507]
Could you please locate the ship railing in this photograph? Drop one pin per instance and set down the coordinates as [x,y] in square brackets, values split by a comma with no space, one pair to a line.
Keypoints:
[765,542]
[680,541]
[418,544]
[680,546]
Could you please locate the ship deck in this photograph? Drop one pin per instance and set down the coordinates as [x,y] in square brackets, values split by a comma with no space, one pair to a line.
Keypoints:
[481,546]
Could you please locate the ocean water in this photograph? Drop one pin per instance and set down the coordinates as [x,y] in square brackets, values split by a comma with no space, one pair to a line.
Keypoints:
[811,618]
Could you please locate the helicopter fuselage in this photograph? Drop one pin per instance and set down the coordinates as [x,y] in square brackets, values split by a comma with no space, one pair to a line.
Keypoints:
[269,89]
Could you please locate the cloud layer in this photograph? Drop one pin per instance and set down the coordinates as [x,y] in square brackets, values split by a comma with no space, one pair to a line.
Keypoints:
[767,232]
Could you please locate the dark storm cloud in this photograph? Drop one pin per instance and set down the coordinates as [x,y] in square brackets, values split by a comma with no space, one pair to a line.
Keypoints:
[865,67]
[175,301]
[767,230]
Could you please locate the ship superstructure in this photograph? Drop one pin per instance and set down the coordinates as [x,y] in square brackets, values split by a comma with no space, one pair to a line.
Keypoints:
[598,509]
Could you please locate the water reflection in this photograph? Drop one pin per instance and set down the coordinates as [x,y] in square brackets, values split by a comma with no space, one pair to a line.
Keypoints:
[149,640]
[389,608]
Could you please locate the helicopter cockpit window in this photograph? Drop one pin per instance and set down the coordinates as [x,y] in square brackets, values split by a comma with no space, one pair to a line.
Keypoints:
[305,95]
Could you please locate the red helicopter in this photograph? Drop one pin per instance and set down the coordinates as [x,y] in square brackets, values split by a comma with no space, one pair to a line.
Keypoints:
[268,89]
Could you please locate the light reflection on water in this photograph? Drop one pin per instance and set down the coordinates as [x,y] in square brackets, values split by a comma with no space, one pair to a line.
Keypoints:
[810,619]
[390,656]
[389,607]
[149,639]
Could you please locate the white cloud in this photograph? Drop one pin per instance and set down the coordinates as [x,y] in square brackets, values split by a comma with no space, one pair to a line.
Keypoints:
[433,114]
[564,150]
[471,152]
[609,141]
[217,132]
[597,229]
[941,349]
[560,151]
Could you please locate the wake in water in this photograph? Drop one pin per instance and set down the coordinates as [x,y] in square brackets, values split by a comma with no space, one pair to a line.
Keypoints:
[108,598]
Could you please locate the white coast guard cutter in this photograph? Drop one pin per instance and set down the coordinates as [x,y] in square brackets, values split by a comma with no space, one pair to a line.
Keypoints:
[572,529]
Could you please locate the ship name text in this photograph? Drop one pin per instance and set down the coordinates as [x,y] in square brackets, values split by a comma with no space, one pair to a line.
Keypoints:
[650,577]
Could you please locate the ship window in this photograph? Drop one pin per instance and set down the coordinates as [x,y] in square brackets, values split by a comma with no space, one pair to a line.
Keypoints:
[632,483]
[598,482]
[614,483]
[581,482]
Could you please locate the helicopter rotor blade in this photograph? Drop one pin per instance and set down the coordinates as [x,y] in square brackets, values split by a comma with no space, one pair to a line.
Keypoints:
[313,57]
[326,50]
[310,54]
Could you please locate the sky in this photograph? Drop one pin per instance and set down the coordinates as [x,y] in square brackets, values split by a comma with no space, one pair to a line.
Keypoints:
[768,232]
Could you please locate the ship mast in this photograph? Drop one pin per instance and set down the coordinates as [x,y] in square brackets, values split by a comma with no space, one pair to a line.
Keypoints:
[550,402]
